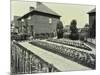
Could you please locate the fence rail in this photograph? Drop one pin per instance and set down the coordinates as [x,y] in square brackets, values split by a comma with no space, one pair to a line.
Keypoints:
[23,61]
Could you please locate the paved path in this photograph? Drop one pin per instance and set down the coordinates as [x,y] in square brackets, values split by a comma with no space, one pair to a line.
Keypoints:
[57,61]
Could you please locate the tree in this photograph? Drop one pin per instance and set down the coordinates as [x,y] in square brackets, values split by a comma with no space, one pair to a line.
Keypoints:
[74,31]
[86,27]
[59,29]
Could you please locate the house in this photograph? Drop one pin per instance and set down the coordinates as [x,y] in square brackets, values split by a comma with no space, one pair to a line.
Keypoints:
[67,31]
[12,26]
[67,28]
[83,33]
[16,23]
[39,22]
[92,22]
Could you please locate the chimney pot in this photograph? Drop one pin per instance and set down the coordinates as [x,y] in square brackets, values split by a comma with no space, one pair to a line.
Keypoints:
[32,8]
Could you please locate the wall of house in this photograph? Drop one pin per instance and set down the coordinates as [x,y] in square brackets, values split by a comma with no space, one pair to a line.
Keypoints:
[15,21]
[45,24]
[38,24]
[19,26]
[15,24]
[92,23]
[91,19]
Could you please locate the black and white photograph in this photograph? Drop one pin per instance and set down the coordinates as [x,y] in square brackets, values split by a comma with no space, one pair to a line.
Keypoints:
[52,37]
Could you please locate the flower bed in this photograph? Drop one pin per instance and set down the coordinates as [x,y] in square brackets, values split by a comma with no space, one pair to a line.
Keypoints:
[80,57]
[70,43]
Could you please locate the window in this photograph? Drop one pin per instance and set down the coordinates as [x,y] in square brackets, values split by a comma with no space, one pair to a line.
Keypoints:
[22,20]
[50,20]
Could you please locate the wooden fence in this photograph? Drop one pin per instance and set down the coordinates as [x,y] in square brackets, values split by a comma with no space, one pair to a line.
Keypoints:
[23,61]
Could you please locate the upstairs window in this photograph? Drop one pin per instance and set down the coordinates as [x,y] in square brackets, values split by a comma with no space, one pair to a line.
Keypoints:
[22,20]
[50,20]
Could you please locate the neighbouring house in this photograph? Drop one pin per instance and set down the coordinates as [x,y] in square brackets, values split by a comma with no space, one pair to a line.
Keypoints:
[12,26]
[92,23]
[39,22]
[13,30]
[83,33]
[67,31]
[92,29]
[16,23]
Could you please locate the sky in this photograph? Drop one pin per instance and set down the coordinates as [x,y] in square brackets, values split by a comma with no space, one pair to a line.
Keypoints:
[67,11]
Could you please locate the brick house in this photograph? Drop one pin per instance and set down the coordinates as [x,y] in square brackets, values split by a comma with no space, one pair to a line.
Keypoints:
[39,22]
[92,22]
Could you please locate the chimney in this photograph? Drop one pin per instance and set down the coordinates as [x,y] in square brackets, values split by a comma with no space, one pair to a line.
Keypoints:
[31,8]
[38,5]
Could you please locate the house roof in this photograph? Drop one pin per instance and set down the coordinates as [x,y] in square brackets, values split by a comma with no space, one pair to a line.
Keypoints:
[92,11]
[41,8]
